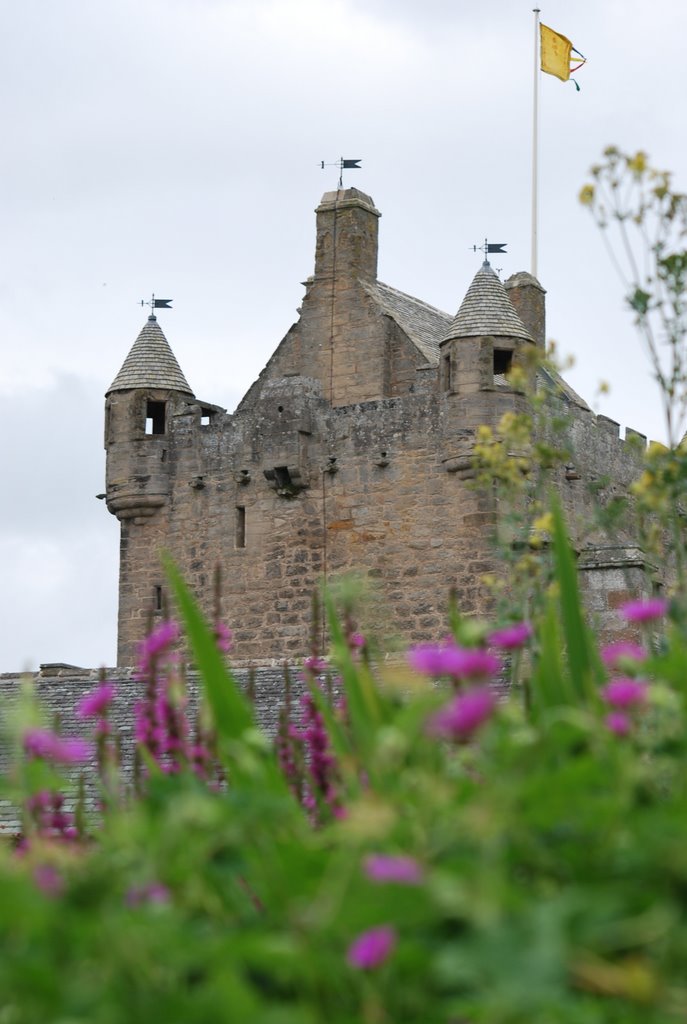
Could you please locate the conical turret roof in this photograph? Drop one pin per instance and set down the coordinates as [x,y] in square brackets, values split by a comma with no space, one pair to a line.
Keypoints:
[150,364]
[486,310]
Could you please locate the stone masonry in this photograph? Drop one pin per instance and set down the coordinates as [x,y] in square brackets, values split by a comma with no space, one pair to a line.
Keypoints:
[350,453]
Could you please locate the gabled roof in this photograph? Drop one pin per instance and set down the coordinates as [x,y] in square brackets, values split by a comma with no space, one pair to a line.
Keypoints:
[150,364]
[487,311]
[424,324]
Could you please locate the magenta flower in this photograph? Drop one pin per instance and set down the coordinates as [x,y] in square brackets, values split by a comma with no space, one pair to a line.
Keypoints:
[464,714]
[618,722]
[371,948]
[92,705]
[152,892]
[613,655]
[380,867]
[644,610]
[510,638]
[51,747]
[449,659]
[48,879]
[315,665]
[157,643]
[223,637]
[356,640]
[624,692]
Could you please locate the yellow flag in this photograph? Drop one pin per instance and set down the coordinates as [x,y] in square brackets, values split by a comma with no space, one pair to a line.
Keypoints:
[555,53]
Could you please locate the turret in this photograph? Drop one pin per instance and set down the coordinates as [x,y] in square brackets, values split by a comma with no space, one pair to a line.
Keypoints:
[481,346]
[139,405]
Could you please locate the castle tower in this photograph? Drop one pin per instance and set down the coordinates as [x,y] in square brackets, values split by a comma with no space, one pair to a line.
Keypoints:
[341,343]
[140,405]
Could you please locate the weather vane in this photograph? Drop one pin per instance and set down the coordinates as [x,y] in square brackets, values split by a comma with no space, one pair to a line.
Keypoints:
[343,165]
[156,304]
[490,247]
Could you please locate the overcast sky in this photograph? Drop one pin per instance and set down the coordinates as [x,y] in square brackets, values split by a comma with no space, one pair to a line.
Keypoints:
[174,146]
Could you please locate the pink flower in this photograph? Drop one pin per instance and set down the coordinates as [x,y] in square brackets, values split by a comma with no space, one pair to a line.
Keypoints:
[618,722]
[92,705]
[624,692]
[613,655]
[223,637]
[451,660]
[47,745]
[371,948]
[48,879]
[380,867]
[356,640]
[315,664]
[464,714]
[645,610]
[157,643]
[152,892]
[510,638]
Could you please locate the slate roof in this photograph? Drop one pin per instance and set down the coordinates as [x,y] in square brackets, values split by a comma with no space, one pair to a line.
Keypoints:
[424,324]
[150,364]
[552,382]
[487,311]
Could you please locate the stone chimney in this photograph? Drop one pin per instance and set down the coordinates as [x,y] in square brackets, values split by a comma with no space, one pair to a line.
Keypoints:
[347,236]
[527,295]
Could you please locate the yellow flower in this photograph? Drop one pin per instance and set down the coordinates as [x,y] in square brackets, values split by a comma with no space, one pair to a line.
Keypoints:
[543,524]
[637,164]
[586,196]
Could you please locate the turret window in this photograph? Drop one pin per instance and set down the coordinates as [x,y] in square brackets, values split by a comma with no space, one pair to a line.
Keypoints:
[446,371]
[155,417]
[503,361]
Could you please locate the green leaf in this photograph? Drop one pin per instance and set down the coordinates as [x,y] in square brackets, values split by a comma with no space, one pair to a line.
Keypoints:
[550,687]
[583,659]
[363,698]
[237,731]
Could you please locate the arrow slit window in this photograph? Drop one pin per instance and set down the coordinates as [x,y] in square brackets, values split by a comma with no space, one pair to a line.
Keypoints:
[240,534]
[155,417]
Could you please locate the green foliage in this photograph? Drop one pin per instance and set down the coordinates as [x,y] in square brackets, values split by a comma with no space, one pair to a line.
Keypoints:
[643,220]
[550,853]
[644,223]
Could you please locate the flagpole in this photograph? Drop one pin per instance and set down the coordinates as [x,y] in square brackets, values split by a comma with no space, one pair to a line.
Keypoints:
[535,140]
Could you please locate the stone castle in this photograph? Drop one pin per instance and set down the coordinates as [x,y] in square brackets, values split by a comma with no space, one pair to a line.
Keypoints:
[350,452]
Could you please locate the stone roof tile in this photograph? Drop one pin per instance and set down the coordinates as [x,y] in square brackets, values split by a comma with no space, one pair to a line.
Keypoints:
[424,324]
[150,364]
[487,311]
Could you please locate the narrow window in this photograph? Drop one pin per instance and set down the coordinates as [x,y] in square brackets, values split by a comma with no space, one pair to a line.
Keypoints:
[108,423]
[240,536]
[157,598]
[155,417]
[503,360]
[447,372]
[205,417]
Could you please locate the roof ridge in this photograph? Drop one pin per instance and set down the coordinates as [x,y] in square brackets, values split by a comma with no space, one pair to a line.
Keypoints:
[413,298]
